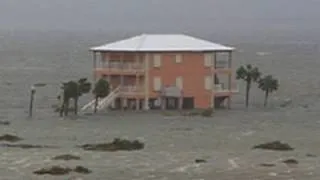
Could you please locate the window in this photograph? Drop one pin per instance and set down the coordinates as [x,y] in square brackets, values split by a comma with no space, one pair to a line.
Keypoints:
[208,60]
[178,58]
[208,82]
[179,82]
[157,83]
[156,60]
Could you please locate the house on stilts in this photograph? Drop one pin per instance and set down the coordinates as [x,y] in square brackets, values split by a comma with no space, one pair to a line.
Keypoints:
[164,71]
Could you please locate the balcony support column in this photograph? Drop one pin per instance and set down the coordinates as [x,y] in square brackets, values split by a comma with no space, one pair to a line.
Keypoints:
[229,79]
[213,82]
[146,82]
[107,65]
[137,84]
[121,82]
[94,66]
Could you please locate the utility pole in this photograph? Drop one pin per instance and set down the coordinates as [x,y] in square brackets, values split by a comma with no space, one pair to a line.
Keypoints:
[32,93]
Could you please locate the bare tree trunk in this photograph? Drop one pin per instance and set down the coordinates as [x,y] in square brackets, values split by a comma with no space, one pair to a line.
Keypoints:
[76,105]
[66,108]
[62,109]
[248,93]
[266,98]
[96,104]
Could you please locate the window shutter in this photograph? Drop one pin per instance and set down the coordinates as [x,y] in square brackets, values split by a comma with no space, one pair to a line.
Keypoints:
[178,58]
[157,83]
[179,82]
[156,60]
[208,82]
[208,58]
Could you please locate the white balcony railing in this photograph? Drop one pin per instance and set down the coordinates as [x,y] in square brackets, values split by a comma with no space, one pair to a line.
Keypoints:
[131,89]
[124,66]
[221,88]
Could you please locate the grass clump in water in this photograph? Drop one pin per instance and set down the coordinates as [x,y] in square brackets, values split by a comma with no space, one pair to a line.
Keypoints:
[10,138]
[116,145]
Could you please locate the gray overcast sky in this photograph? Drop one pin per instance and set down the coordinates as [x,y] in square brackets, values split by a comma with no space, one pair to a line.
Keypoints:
[159,14]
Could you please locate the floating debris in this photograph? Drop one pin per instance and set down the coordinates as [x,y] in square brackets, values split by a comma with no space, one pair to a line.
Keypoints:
[82,170]
[275,146]
[10,138]
[116,145]
[267,165]
[311,155]
[27,146]
[54,170]
[5,123]
[290,161]
[59,171]
[40,84]
[66,157]
[200,161]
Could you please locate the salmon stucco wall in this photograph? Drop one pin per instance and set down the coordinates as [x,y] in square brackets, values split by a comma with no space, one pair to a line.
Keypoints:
[191,69]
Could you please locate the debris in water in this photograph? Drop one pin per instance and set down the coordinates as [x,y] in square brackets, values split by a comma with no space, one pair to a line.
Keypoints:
[116,145]
[267,165]
[26,146]
[39,84]
[5,123]
[200,161]
[10,138]
[290,161]
[59,171]
[275,146]
[82,170]
[54,170]
[311,155]
[66,157]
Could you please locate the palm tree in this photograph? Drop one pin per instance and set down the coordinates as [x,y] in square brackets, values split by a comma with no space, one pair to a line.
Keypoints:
[73,90]
[68,90]
[268,84]
[248,74]
[101,90]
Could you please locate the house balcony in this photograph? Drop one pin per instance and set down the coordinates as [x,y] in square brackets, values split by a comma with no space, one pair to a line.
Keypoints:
[222,90]
[131,91]
[121,69]
[222,67]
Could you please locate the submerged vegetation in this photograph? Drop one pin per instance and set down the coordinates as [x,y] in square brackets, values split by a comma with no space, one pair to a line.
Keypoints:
[116,145]
[59,170]
[274,146]
[66,157]
[10,138]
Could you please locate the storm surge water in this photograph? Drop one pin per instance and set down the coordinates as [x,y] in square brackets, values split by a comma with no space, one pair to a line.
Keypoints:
[172,144]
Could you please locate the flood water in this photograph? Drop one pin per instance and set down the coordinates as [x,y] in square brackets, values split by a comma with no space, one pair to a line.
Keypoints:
[172,142]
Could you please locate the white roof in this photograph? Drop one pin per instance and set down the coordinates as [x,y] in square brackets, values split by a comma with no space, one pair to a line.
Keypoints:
[162,42]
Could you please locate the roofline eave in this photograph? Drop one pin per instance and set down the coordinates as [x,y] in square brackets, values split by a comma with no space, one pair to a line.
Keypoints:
[161,51]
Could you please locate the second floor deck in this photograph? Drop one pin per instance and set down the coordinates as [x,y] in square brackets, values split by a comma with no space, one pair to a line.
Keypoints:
[115,68]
